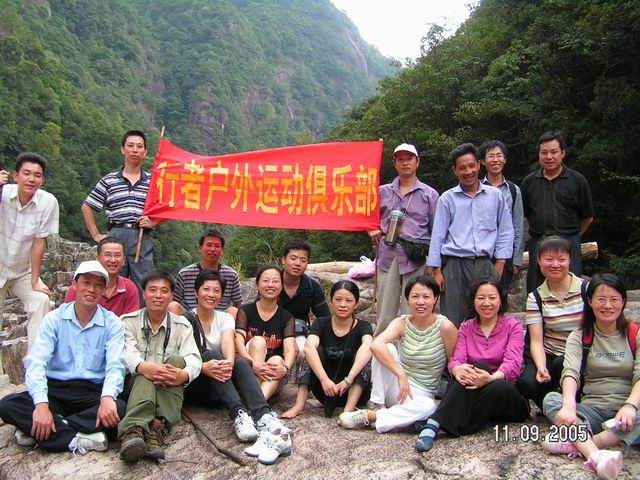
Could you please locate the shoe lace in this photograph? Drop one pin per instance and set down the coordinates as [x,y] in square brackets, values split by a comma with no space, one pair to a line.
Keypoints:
[79,445]
[361,417]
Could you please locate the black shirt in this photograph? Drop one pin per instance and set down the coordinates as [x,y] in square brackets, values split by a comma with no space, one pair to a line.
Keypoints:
[274,330]
[339,352]
[556,206]
[308,297]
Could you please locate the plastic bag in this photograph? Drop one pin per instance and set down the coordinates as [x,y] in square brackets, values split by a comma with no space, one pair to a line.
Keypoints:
[365,269]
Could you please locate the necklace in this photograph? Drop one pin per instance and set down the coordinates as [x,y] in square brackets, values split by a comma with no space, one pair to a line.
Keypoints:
[337,330]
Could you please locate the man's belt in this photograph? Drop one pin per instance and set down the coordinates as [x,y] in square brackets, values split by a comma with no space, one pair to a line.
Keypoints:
[132,225]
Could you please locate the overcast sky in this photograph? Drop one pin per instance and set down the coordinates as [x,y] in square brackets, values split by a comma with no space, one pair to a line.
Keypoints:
[396,26]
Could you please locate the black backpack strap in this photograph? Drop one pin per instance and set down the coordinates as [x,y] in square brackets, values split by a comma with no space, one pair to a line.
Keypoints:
[512,190]
[198,331]
[538,299]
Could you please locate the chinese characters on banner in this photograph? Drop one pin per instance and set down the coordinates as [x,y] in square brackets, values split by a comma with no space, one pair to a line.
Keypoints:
[326,186]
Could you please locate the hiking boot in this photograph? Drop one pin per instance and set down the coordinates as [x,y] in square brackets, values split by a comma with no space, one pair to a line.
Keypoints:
[356,419]
[132,444]
[245,428]
[605,463]
[155,439]
[23,439]
[83,442]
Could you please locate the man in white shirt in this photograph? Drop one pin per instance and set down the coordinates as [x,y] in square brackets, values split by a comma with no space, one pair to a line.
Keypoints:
[28,215]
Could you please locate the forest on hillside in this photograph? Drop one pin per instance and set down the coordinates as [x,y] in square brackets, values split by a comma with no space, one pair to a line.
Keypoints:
[223,77]
[237,75]
[514,70]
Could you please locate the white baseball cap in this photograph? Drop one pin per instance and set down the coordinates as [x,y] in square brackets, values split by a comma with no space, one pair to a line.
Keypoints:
[406,147]
[93,267]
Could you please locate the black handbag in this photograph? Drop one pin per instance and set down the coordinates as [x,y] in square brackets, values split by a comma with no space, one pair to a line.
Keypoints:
[301,327]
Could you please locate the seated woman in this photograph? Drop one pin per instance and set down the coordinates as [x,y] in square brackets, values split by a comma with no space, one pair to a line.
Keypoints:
[609,374]
[225,378]
[485,365]
[406,381]
[265,333]
[553,311]
[337,355]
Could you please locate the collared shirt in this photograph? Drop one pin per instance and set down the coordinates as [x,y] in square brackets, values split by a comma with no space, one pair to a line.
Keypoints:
[561,315]
[467,226]
[20,226]
[308,297]
[185,291]
[501,350]
[556,206]
[125,298]
[417,224]
[139,348]
[124,202]
[63,350]
[517,217]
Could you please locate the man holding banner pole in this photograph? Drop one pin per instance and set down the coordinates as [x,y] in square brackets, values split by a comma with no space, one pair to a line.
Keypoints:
[407,210]
[122,194]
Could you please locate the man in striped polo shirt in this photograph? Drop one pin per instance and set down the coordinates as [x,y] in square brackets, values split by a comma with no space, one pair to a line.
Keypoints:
[122,194]
[211,248]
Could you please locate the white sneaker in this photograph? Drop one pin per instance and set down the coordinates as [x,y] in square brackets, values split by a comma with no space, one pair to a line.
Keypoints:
[265,439]
[269,422]
[279,446]
[83,442]
[356,419]
[605,463]
[23,439]
[245,429]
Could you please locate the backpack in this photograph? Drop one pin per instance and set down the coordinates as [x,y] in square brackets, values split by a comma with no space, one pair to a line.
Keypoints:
[587,341]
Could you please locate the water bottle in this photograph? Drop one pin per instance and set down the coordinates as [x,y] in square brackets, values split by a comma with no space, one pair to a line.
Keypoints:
[395,227]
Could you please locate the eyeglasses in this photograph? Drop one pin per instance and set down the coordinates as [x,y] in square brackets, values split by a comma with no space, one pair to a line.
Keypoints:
[614,302]
[116,256]
[497,156]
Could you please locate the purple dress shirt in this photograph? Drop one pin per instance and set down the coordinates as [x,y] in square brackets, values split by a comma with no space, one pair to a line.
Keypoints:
[467,226]
[501,350]
[417,224]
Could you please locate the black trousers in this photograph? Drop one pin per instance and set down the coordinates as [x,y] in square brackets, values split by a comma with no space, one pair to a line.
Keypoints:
[308,377]
[76,401]
[463,411]
[207,392]
[527,384]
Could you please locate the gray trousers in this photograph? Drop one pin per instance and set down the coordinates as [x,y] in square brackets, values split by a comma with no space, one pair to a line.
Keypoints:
[535,277]
[459,273]
[591,416]
[390,298]
[135,271]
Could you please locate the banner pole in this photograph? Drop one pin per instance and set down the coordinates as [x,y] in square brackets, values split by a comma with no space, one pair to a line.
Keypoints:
[141,230]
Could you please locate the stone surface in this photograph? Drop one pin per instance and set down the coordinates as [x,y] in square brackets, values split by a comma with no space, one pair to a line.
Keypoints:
[322,451]
[12,353]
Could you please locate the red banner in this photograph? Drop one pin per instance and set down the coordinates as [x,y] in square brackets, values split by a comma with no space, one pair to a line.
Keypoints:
[326,186]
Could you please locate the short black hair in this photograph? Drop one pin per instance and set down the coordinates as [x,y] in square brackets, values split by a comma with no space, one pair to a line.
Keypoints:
[209,275]
[296,244]
[107,240]
[554,243]
[461,150]
[347,285]
[471,296]
[550,137]
[134,133]
[30,157]
[155,275]
[490,145]
[211,233]
[424,280]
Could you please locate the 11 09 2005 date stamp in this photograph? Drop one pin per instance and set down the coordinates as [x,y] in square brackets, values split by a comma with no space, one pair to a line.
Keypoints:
[531,433]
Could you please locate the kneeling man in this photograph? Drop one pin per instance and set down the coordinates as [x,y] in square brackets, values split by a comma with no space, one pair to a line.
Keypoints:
[75,372]
[162,356]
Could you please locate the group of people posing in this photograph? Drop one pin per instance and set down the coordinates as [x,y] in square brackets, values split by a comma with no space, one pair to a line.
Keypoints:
[101,368]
